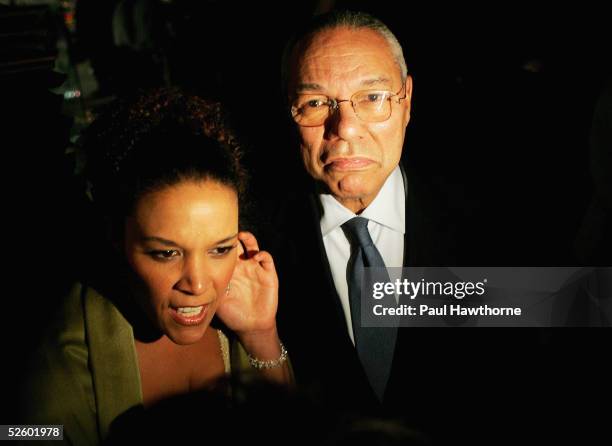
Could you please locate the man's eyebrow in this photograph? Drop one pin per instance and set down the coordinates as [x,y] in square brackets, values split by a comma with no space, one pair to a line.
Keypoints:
[376,81]
[366,83]
[308,87]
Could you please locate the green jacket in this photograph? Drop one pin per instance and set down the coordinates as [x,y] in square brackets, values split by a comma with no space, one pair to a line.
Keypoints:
[86,373]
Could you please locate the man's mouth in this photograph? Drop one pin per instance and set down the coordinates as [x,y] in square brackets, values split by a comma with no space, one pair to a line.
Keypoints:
[348,164]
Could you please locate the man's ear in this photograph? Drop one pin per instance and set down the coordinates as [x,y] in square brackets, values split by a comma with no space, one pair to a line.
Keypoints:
[408,100]
[408,88]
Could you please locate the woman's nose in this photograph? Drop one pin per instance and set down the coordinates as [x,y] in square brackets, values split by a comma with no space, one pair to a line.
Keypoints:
[194,279]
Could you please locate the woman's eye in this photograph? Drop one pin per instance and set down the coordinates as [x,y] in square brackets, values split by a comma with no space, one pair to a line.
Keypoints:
[220,251]
[165,254]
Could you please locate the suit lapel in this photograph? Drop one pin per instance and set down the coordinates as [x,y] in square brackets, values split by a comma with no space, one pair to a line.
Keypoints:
[406,217]
[330,287]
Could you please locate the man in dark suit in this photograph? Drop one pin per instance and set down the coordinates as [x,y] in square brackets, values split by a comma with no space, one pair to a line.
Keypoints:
[349,94]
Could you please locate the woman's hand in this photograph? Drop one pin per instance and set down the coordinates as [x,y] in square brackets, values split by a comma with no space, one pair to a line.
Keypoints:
[249,308]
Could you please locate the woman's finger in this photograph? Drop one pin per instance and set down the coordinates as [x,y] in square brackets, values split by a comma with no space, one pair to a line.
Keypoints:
[240,249]
[265,260]
[250,242]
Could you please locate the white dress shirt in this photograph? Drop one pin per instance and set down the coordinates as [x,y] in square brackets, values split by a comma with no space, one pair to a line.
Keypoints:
[387,225]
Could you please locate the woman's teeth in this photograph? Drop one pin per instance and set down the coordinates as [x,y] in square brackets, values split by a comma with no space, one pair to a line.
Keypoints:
[190,311]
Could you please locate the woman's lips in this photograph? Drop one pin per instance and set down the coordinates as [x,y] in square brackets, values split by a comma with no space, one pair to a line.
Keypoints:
[189,319]
[346,164]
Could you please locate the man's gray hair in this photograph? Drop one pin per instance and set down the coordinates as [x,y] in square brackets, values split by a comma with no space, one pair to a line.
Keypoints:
[343,19]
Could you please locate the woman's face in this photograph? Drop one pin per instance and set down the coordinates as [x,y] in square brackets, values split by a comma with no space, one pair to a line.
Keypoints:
[180,242]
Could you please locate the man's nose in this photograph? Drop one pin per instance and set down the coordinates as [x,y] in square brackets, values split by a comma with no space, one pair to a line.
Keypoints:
[194,278]
[344,122]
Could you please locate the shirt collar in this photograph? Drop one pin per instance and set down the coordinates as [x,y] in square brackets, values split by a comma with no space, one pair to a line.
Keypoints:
[387,209]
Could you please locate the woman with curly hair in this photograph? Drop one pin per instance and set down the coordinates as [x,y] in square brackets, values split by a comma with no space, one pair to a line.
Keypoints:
[165,174]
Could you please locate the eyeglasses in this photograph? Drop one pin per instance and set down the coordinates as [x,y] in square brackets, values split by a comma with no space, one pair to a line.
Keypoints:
[312,110]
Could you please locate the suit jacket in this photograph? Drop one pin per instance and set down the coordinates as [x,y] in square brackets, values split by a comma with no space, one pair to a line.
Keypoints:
[437,372]
[310,317]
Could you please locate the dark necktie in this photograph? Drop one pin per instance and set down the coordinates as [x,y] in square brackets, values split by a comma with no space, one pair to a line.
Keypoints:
[375,345]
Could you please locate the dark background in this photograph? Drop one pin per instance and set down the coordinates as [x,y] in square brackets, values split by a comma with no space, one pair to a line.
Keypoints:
[503,105]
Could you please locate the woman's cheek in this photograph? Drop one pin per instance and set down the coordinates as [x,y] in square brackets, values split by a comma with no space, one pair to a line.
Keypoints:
[229,268]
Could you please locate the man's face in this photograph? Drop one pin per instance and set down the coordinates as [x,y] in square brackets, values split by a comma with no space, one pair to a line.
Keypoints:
[353,158]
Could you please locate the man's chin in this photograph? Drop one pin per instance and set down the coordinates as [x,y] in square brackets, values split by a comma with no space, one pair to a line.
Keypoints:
[356,186]
[354,199]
